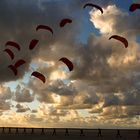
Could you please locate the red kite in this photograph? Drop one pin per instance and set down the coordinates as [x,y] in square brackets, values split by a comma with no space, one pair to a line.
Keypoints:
[44,27]
[19,63]
[67,62]
[134,7]
[13,44]
[13,68]
[39,76]
[33,43]
[93,5]
[122,39]
[64,22]
[10,53]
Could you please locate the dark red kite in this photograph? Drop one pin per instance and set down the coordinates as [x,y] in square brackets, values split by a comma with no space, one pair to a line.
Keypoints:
[13,69]
[44,27]
[67,62]
[13,44]
[33,43]
[93,5]
[122,39]
[39,76]
[134,7]
[10,53]
[19,63]
[63,22]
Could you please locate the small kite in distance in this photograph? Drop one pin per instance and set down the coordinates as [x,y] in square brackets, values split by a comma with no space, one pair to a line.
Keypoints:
[39,76]
[134,7]
[122,39]
[44,27]
[16,65]
[13,44]
[10,53]
[13,68]
[33,43]
[63,22]
[19,63]
[67,62]
[93,5]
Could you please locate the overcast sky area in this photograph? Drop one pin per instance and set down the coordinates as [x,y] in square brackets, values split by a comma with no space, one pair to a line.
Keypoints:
[103,90]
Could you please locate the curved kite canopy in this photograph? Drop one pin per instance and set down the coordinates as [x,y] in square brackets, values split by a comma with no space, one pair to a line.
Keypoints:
[63,22]
[13,68]
[39,76]
[121,39]
[13,44]
[67,62]
[134,7]
[93,5]
[33,43]
[19,63]
[10,53]
[44,27]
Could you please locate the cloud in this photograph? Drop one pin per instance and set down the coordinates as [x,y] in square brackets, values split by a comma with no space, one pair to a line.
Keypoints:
[106,22]
[60,88]
[21,108]
[17,22]
[23,95]
[113,17]
[5,97]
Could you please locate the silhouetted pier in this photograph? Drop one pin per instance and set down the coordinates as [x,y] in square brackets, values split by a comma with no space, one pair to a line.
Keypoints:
[50,132]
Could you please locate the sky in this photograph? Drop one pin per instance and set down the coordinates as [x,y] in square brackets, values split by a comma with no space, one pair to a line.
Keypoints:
[102,90]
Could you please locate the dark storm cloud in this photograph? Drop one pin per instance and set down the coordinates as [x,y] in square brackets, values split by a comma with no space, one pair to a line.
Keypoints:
[18,22]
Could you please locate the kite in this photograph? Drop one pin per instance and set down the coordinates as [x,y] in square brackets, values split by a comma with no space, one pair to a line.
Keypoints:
[10,53]
[134,7]
[13,44]
[33,43]
[39,76]
[13,68]
[44,27]
[67,62]
[19,63]
[93,5]
[64,22]
[122,39]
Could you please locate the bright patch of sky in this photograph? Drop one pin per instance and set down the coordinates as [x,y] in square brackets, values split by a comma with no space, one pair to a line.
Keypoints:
[83,113]
[86,28]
